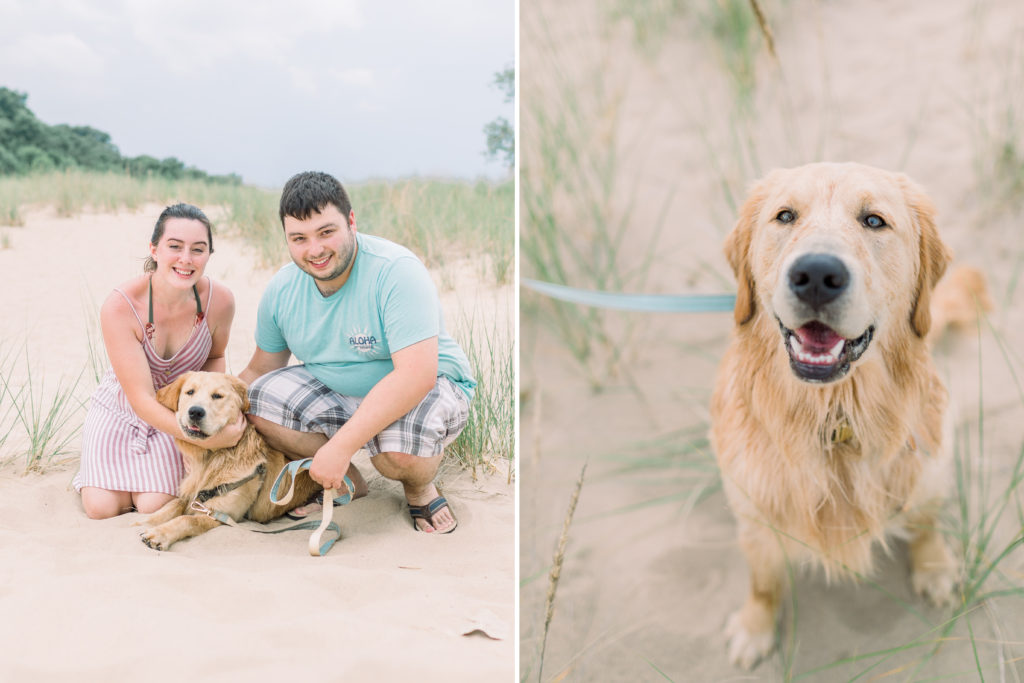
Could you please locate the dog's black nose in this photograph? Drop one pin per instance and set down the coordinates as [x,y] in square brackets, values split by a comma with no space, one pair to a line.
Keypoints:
[196,413]
[817,279]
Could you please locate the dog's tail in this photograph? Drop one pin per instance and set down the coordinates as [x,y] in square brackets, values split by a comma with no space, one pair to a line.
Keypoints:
[958,301]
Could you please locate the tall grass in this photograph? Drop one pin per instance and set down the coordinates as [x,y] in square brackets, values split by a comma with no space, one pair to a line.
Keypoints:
[46,420]
[435,218]
[575,221]
[555,575]
[440,220]
[7,397]
[489,437]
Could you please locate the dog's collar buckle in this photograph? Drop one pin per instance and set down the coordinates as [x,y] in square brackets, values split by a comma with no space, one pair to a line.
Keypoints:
[201,509]
[842,433]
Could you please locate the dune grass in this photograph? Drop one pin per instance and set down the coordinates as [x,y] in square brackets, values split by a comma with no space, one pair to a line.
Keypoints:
[44,421]
[438,219]
[575,216]
[488,440]
[555,574]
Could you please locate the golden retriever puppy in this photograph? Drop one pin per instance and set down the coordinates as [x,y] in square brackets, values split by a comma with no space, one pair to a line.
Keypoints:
[233,481]
[827,413]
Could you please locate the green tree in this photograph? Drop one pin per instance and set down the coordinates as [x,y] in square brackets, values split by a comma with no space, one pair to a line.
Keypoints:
[27,145]
[500,134]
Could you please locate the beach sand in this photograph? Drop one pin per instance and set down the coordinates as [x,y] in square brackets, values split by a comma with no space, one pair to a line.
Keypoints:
[652,569]
[85,600]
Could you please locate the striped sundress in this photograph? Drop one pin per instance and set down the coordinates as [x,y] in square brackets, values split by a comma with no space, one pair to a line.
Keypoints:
[120,452]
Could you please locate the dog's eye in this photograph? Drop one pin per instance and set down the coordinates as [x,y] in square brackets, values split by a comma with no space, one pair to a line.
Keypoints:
[873,221]
[216,396]
[190,392]
[785,216]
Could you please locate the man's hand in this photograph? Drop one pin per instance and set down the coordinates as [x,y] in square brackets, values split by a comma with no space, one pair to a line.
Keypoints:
[329,467]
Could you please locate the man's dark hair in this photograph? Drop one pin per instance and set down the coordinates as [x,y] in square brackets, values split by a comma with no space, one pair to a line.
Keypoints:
[177,211]
[311,191]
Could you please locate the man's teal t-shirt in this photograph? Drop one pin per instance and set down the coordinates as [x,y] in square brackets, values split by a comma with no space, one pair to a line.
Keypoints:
[346,340]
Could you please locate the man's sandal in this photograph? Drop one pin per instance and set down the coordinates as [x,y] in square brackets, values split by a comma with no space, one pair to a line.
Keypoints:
[427,512]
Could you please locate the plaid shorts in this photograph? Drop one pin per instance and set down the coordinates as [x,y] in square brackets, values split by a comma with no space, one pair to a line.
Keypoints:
[294,398]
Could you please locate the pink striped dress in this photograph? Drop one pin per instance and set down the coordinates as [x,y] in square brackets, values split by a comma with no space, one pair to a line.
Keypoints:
[120,452]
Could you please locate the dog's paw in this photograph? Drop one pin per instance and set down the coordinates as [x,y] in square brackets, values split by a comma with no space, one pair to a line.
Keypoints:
[747,648]
[155,540]
[934,572]
[937,585]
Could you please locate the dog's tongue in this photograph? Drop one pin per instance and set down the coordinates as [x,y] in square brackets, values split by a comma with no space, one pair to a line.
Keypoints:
[816,337]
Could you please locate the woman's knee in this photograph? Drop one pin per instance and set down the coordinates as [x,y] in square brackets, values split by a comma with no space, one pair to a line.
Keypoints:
[149,502]
[104,504]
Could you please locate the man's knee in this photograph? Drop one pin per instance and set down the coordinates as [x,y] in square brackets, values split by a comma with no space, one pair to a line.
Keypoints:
[395,465]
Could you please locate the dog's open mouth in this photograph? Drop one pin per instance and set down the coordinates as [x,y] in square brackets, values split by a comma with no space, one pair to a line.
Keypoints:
[192,431]
[818,354]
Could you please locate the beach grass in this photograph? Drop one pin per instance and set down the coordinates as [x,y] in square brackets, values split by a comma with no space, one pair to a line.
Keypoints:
[576,213]
[555,574]
[437,219]
[43,421]
[488,440]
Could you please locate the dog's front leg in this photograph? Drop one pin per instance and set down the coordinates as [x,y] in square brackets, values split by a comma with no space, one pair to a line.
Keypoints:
[751,630]
[171,509]
[934,570]
[167,534]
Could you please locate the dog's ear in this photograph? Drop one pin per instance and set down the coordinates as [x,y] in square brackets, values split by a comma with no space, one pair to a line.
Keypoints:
[737,250]
[934,256]
[168,395]
[242,389]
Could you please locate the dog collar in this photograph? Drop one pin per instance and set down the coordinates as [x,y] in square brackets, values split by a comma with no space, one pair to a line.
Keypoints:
[207,494]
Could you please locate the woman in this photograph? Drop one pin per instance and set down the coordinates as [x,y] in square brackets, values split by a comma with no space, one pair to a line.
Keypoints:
[155,327]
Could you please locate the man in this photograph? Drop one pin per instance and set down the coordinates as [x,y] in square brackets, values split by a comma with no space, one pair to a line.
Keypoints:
[378,370]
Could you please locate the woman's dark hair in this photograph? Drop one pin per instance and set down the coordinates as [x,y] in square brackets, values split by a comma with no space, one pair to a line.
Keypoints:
[311,191]
[177,211]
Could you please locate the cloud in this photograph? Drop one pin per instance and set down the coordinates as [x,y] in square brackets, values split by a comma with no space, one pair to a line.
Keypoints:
[195,34]
[356,76]
[57,54]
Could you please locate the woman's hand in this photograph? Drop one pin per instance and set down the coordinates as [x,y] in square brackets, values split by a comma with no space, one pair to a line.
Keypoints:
[225,438]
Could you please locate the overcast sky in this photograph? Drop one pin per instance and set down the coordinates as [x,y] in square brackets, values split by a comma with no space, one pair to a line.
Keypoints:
[359,88]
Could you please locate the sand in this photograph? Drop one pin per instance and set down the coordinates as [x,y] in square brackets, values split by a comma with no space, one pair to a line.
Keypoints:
[652,569]
[85,600]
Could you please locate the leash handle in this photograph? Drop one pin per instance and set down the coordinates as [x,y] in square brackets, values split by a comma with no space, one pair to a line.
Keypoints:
[316,547]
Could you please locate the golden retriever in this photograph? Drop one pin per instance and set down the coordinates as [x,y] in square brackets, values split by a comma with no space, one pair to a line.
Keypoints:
[827,414]
[233,481]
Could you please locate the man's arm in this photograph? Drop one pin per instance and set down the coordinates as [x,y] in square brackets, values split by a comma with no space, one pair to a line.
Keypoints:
[263,362]
[398,392]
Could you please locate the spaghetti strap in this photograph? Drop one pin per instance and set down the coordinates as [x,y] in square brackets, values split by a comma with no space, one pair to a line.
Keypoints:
[132,306]
[209,295]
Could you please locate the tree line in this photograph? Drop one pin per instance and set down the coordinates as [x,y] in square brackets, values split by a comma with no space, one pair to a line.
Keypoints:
[27,145]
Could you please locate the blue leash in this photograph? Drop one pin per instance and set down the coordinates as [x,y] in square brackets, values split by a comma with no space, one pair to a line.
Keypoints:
[316,547]
[651,303]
